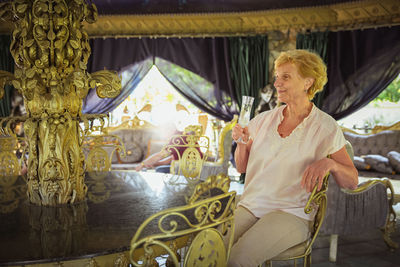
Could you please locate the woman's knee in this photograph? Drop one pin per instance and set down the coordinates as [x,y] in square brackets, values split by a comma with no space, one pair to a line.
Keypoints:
[271,235]
[241,259]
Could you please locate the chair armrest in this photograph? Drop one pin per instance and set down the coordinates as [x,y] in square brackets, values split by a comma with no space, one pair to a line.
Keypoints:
[365,186]
[316,195]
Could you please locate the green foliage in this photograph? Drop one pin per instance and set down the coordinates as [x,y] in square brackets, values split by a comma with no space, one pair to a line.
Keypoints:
[391,93]
[373,120]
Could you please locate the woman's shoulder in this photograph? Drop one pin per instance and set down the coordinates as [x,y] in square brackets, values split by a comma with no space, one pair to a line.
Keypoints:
[325,119]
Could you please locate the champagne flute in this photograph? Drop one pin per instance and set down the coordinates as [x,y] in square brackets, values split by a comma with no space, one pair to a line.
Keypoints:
[245,111]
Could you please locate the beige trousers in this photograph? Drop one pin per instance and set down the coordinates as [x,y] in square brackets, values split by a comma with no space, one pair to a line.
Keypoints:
[259,239]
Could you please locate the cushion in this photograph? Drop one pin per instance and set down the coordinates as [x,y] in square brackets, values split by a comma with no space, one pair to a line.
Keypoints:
[379,163]
[394,159]
[134,153]
[293,251]
[360,163]
[380,143]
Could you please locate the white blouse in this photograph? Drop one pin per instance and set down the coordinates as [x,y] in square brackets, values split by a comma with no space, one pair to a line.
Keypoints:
[276,164]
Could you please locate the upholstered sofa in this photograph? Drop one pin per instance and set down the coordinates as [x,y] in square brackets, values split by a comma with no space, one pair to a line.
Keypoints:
[378,154]
[139,139]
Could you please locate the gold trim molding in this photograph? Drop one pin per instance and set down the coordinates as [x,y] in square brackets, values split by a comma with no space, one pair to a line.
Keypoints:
[354,15]
[345,16]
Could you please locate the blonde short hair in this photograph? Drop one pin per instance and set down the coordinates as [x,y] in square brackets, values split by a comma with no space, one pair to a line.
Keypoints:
[309,64]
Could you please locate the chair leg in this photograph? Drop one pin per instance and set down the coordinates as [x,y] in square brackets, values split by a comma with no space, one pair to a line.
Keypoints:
[388,229]
[266,264]
[307,261]
[333,248]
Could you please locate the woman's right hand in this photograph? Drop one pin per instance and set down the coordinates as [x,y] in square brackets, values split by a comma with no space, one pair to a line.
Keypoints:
[240,132]
[243,149]
[142,165]
[139,167]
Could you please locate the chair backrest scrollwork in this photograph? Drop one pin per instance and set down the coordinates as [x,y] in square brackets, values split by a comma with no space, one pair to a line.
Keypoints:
[198,227]
[225,142]
[10,164]
[99,150]
[193,129]
[317,201]
[191,152]
[12,185]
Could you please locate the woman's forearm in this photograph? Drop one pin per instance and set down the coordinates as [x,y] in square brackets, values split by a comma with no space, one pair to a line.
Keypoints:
[164,161]
[343,169]
[339,165]
[153,159]
[346,176]
[242,156]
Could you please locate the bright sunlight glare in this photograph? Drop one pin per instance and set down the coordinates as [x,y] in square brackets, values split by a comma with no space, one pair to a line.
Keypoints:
[155,90]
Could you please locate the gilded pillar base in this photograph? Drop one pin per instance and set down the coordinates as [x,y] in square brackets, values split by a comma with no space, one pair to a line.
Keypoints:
[57,175]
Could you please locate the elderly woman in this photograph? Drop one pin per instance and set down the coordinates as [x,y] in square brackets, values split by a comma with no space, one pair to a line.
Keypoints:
[284,156]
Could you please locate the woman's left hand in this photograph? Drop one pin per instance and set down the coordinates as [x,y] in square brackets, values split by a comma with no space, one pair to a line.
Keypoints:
[315,173]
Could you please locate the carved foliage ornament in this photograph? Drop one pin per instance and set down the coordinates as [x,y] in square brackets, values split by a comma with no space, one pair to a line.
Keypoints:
[51,50]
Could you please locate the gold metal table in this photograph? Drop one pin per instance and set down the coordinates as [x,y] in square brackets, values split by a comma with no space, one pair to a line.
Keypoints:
[96,231]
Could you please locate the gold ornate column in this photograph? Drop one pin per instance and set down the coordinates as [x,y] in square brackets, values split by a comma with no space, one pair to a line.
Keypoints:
[51,50]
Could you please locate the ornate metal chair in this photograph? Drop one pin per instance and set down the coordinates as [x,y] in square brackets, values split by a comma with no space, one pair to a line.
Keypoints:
[199,227]
[317,200]
[193,129]
[99,150]
[12,186]
[354,212]
[191,151]
[10,164]
[224,152]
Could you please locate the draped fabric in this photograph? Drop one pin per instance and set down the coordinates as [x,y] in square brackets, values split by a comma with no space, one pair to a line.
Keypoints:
[317,42]
[249,66]
[206,57]
[199,91]
[6,64]
[249,70]
[132,77]
[361,64]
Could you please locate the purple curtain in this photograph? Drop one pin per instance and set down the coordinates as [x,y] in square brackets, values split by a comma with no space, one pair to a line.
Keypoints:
[115,54]
[94,105]
[200,92]
[361,64]
[206,57]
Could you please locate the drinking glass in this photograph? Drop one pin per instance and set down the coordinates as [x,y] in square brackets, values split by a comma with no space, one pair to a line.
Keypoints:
[244,117]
